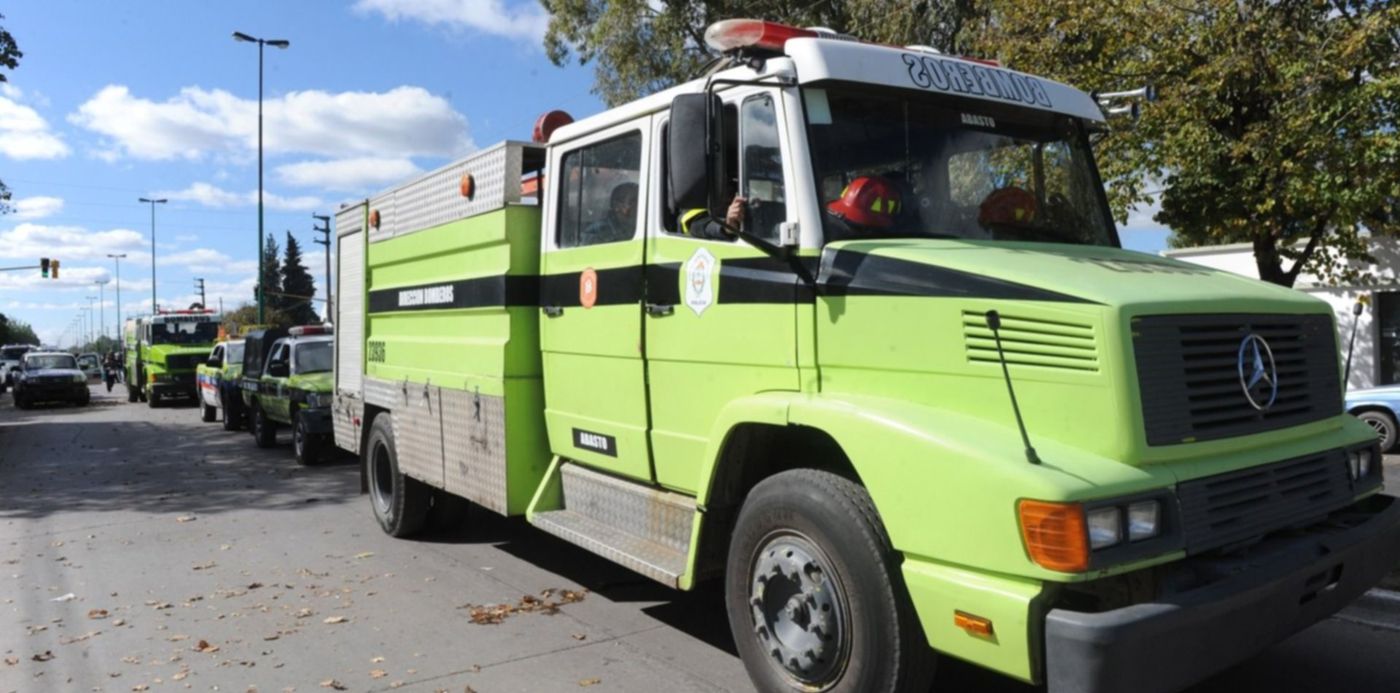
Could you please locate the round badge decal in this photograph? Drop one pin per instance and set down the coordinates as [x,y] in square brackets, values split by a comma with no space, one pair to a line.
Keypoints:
[588,288]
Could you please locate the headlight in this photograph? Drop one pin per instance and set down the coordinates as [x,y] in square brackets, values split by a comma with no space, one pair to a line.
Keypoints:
[1144,520]
[1359,463]
[79,378]
[1105,527]
[318,399]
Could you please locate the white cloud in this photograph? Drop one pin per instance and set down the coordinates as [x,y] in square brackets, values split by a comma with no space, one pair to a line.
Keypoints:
[347,175]
[187,237]
[196,123]
[33,241]
[38,207]
[70,280]
[24,134]
[207,261]
[213,196]
[522,20]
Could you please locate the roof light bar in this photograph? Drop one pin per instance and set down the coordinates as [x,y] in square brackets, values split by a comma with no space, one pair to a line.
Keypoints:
[308,330]
[735,34]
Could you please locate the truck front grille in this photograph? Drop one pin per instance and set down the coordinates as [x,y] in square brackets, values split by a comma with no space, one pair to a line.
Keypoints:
[1239,506]
[182,362]
[1189,374]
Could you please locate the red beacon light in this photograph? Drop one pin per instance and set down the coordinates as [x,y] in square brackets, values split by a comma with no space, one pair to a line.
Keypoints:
[547,123]
[736,34]
[310,330]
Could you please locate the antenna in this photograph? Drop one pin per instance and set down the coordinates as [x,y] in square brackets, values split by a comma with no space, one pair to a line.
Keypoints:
[994,323]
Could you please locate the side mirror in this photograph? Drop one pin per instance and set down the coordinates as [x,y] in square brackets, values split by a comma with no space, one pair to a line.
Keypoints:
[695,164]
[279,369]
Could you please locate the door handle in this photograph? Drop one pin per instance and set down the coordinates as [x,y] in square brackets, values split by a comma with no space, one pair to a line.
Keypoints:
[660,310]
[552,311]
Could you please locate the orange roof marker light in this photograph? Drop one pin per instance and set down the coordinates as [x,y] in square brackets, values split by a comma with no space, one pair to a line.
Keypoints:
[735,34]
[468,186]
[547,123]
[1056,535]
[374,218]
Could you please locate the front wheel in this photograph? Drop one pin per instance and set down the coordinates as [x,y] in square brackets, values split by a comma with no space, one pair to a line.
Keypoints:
[264,431]
[1384,426]
[207,414]
[400,502]
[306,445]
[230,418]
[814,593]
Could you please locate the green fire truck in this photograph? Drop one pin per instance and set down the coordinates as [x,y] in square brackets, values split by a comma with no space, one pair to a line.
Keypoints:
[163,351]
[914,402]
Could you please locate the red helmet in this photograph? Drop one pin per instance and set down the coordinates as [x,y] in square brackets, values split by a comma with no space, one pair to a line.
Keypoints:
[868,201]
[1010,206]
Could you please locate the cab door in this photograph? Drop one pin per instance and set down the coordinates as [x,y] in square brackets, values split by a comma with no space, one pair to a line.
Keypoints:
[722,316]
[591,302]
[274,397]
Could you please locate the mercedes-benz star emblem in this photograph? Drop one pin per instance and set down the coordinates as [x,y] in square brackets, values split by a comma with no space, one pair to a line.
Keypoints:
[1258,374]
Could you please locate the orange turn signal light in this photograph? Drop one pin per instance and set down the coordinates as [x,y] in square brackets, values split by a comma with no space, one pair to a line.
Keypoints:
[975,625]
[374,218]
[1056,535]
[467,186]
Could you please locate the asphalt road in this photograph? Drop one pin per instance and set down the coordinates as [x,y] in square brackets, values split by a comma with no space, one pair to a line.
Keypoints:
[143,550]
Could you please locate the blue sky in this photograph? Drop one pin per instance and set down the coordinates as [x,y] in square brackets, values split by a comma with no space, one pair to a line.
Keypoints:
[116,101]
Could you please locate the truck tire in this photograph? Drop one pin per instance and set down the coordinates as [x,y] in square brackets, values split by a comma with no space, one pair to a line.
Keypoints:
[22,402]
[84,399]
[232,417]
[263,429]
[131,394]
[207,414]
[814,592]
[152,398]
[306,446]
[400,502]
[1384,425]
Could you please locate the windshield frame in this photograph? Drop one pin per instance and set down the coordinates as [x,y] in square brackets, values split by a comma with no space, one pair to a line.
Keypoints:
[155,328]
[296,358]
[1079,135]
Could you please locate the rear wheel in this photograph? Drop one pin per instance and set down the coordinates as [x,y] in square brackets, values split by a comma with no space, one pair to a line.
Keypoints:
[400,502]
[1384,426]
[84,399]
[131,394]
[306,444]
[231,416]
[814,594]
[264,431]
[207,413]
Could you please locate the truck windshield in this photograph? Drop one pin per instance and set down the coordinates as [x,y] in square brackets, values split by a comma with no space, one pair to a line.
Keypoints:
[184,332]
[312,357]
[233,353]
[50,361]
[951,169]
[13,353]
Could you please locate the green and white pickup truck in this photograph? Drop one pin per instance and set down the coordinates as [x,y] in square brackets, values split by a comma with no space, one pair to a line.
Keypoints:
[289,384]
[218,379]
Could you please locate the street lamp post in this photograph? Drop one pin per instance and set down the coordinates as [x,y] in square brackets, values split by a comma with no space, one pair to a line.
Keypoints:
[153,204]
[276,43]
[92,312]
[118,260]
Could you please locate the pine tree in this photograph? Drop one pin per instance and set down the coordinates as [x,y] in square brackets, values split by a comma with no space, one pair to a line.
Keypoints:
[271,276]
[297,286]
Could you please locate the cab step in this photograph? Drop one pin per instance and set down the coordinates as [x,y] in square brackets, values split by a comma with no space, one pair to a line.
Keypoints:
[632,524]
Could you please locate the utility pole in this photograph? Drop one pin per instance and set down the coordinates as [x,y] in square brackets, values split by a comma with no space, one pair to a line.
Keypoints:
[101,307]
[118,260]
[92,313]
[276,43]
[326,232]
[199,286]
[153,203]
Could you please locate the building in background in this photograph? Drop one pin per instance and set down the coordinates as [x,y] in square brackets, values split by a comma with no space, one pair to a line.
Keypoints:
[1376,360]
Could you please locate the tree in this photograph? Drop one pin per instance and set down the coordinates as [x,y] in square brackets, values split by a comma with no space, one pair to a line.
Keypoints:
[271,277]
[297,286]
[246,316]
[640,47]
[1276,123]
[9,59]
[16,332]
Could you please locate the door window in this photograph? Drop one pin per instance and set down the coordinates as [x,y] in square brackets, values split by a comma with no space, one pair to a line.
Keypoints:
[600,192]
[761,173]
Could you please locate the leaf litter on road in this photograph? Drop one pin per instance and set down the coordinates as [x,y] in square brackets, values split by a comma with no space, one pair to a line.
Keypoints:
[492,614]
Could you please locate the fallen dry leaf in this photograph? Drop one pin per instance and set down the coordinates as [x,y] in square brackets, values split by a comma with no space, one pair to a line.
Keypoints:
[205,565]
[140,687]
[44,656]
[162,605]
[180,675]
[186,518]
[204,646]
[97,613]
[332,683]
[119,622]
[378,673]
[80,638]
[579,636]
[377,660]
[589,682]
[364,554]
[11,661]
[335,619]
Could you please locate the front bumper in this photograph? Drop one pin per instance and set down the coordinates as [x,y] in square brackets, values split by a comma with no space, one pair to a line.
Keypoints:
[318,420]
[54,392]
[1168,644]
[180,387]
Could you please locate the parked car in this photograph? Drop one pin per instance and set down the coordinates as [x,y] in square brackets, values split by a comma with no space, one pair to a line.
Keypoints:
[90,365]
[50,376]
[1380,408]
[10,357]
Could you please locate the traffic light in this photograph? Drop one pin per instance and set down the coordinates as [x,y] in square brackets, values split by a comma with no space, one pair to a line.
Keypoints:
[55,269]
[44,267]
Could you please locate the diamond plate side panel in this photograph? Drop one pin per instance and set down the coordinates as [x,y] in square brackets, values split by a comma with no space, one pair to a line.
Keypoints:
[474,447]
[345,411]
[658,562]
[382,393]
[349,308]
[384,204]
[418,433]
[436,198]
[629,507]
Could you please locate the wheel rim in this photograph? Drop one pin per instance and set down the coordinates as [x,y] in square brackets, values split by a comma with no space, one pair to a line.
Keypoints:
[299,439]
[1382,428]
[381,477]
[798,609]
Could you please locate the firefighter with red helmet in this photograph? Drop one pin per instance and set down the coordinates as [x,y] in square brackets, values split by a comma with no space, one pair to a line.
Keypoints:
[867,205]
